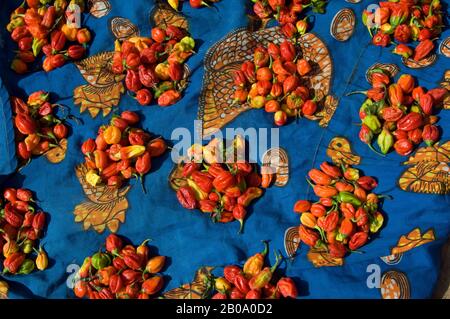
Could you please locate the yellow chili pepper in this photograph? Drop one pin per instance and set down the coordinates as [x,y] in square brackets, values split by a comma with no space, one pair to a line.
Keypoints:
[222,285]
[199,194]
[112,135]
[162,71]
[376,222]
[4,288]
[31,141]
[255,264]
[70,33]
[41,259]
[174,4]
[117,46]
[132,151]
[308,219]
[92,178]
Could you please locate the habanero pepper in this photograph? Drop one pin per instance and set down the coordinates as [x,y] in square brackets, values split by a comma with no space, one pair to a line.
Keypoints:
[319,177]
[361,216]
[13,262]
[423,49]
[330,170]
[224,180]
[255,263]
[325,191]
[132,81]
[410,122]
[357,240]
[186,197]
[249,195]
[287,288]
[367,182]
[262,278]
[347,197]
[308,236]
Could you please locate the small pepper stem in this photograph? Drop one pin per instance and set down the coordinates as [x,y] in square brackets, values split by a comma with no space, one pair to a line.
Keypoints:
[375,151]
[266,248]
[356,92]
[278,260]
[241,222]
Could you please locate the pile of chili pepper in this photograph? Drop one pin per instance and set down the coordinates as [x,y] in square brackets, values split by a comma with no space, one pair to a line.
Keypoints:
[400,115]
[405,22]
[273,81]
[21,228]
[254,280]
[346,213]
[120,151]
[42,26]
[123,271]
[196,4]
[37,127]
[154,67]
[223,190]
[287,13]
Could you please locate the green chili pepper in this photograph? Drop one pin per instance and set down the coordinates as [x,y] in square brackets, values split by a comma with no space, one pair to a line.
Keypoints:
[372,122]
[27,267]
[347,197]
[376,221]
[100,260]
[187,44]
[385,141]
[37,46]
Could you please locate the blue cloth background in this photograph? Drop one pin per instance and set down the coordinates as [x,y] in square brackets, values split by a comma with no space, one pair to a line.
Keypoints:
[190,239]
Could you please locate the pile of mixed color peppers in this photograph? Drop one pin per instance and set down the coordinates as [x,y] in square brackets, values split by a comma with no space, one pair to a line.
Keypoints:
[123,271]
[221,188]
[346,213]
[154,67]
[400,114]
[21,228]
[406,21]
[287,13]
[273,81]
[120,151]
[37,128]
[43,26]
[254,281]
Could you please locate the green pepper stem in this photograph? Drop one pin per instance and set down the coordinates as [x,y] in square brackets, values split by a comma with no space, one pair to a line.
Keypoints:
[375,151]
[266,248]
[278,260]
[241,222]
[356,92]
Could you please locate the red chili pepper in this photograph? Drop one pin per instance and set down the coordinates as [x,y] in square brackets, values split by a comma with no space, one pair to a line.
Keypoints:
[133,261]
[361,216]
[189,168]
[239,213]
[253,294]
[290,84]
[132,81]
[438,94]
[273,50]
[410,122]
[308,236]
[426,103]
[367,182]
[224,180]
[39,221]
[143,164]
[76,52]
[241,283]
[402,33]
[357,240]
[113,243]
[13,262]
[337,250]
[186,197]
[88,146]
[392,113]
[58,40]
[130,117]
[203,180]
[23,194]
[249,195]
[147,76]
[230,272]
[248,68]
[287,51]
[60,131]
[381,39]
[346,228]
[25,124]
[23,151]
[261,57]
[329,222]
[330,170]
[319,177]
[11,217]
[169,97]
[430,134]
[10,194]
[423,49]
[415,136]
[287,288]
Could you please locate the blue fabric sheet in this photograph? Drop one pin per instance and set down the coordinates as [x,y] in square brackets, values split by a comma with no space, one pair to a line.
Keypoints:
[190,239]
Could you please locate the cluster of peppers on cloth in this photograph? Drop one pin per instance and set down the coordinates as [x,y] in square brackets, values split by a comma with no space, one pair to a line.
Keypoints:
[21,228]
[222,189]
[273,81]
[400,115]
[196,4]
[254,280]
[406,21]
[154,67]
[287,13]
[123,271]
[346,213]
[120,151]
[43,26]
[37,128]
